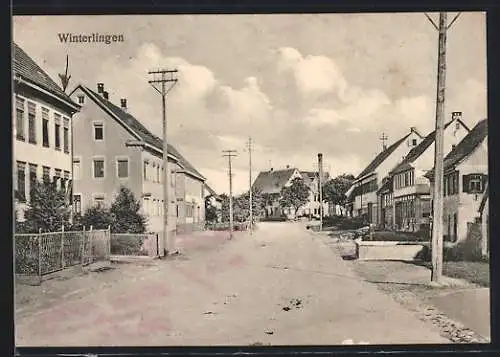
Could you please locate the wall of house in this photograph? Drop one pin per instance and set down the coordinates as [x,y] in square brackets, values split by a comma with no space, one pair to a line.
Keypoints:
[152,191]
[111,148]
[194,195]
[35,153]
[467,204]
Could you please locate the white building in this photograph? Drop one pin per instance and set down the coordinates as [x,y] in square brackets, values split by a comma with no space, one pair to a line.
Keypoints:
[42,129]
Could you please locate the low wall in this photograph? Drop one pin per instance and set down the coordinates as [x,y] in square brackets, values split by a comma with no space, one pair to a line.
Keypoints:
[406,251]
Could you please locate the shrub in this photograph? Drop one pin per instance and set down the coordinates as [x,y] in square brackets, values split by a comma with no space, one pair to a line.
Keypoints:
[344,223]
[127,245]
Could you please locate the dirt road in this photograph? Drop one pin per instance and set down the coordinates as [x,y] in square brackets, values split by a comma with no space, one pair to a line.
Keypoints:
[280,286]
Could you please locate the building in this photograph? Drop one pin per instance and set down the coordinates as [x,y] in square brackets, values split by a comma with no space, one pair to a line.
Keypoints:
[273,181]
[465,183]
[362,196]
[214,200]
[405,195]
[113,149]
[43,130]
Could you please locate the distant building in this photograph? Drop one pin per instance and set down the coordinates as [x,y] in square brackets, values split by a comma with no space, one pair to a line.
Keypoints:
[406,193]
[273,181]
[362,196]
[42,128]
[113,148]
[465,184]
[214,200]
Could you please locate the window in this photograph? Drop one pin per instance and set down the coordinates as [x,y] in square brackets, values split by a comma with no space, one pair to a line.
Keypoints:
[98,201]
[33,175]
[57,175]
[66,136]
[21,181]
[77,201]
[145,170]
[98,131]
[57,132]
[98,168]
[189,210]
[76,168]
[122,168]
[158,173]
[45,127]
[81,99]
[453,147]
[20,119]
[457,125]
[475,183]
[146,205]
[32,123]
[46,174]
[414,142]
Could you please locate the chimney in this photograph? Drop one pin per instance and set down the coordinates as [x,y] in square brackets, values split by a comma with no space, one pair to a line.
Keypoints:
[271,170]
[456,115]
[287,166]
[123,103]
[105,95]
[413,129]
[100,88]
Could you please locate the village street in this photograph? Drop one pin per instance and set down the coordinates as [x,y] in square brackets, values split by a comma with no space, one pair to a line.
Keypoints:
[282,285]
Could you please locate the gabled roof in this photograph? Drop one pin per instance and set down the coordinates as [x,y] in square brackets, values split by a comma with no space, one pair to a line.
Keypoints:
[386,184]
[25,67]
[272,181]
[419,150]
[381,157]
[465,147]
[210,190]
[140,130]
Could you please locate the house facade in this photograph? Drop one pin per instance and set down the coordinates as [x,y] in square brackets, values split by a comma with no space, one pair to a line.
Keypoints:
[465,182]
[273,181]
[114,149]
[484,214]
[43,117]
[405,196]
[362,196]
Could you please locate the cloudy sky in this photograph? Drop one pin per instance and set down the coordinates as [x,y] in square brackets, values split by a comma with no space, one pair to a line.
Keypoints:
[297,84]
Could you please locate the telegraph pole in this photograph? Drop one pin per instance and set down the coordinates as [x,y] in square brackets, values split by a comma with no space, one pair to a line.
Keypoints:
[250,182]
[383,139]
[437,217]
[159,82]
[230,154]
[320,174]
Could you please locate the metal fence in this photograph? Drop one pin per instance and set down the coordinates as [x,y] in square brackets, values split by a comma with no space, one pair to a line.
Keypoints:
[137,244]
[40,254]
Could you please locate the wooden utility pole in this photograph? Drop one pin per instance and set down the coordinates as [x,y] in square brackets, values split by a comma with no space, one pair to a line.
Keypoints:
[159,83]
[437,216]
[250,206]
[320,174]
[230,154]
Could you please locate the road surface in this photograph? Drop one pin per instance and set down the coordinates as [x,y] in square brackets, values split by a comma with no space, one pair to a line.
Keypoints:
[281,286]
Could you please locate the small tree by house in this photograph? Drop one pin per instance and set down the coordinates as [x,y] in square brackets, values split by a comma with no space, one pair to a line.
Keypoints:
[334,190]
[211,212]
[125,214]
[96,217]
[294,196]
[47,210]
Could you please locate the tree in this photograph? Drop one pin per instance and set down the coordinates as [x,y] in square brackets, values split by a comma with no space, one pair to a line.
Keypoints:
[334,190]
[125,213]
[294,196]
[211,212]
[47,210]
[95,217]
[224,207]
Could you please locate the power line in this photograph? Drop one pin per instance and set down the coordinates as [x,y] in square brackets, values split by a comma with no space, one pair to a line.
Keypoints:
[159,83]
[230,154]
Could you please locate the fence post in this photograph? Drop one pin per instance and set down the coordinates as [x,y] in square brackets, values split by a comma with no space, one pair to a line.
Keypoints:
[109,244]
[62,246]
[40,254]
[91,255]
[82,253]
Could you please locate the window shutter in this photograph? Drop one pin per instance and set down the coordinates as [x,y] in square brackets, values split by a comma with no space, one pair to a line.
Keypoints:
[485,181]
[465,183]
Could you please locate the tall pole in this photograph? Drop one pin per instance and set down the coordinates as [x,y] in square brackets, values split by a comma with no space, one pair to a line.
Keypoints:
[230,154]
[320,173]
[250,183]
[437,216]
[163,91]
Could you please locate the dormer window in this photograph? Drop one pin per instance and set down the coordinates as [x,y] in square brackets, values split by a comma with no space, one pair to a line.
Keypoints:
[414,142]
[457,125]
[81,99]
